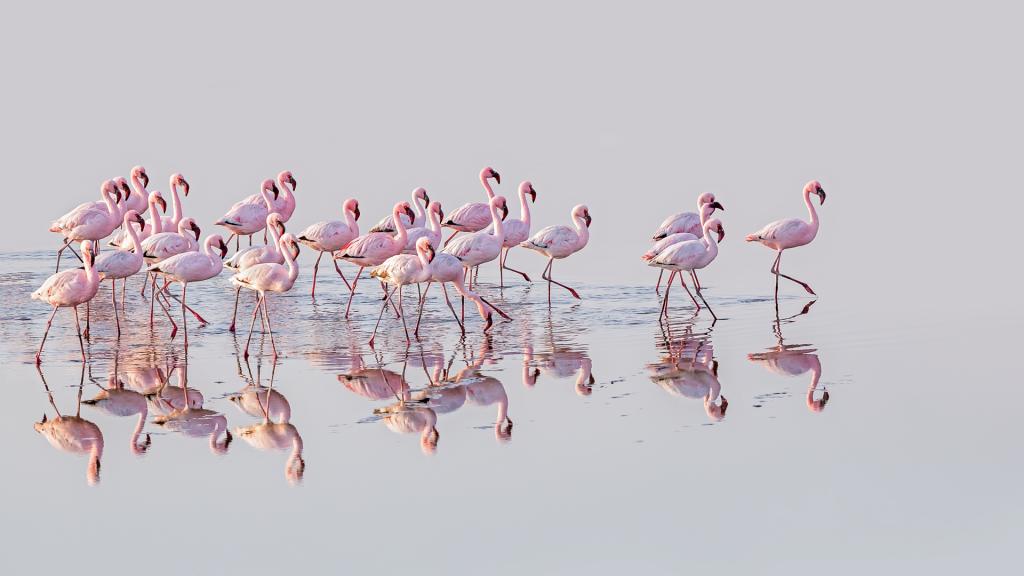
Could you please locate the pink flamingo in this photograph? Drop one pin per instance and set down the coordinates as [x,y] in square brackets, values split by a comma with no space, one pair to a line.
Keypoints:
[692,372]
[516,230]
[430,230]
[139,196]
[140,180]
[445,268]
[254,255]
[166,222]
[403,418]
[373,383]
[120,264]
[557,242]
[153,226]
[374,248]
[690,255]
[161,246]
[92,221]
[69,289]
[790,233]
[115,400]
[192,267]
[794,360]
[73,434]
[249,215]
[331,236]
[474,216]
[269,277]
[481,247]
[681,227]
[401,270]
[420,200]
[285,203]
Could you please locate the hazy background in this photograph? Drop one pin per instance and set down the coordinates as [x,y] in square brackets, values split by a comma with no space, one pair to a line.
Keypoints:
[908,113]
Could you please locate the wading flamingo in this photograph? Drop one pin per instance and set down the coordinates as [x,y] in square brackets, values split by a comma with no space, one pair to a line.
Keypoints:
[284,204]
[474,216]
[420,200]
[166,222]
[690,255]
[269,277]
[152,226]
[69,289]
[374,248]
[120,264]
[73,434]
[431,229]
[557,242]
[90,221]
[192,267]
[790,233]
[402,270]
[331,236]
[254,255]
[516,230]
[248,216]
[481,247]
[445,268]
[681,227]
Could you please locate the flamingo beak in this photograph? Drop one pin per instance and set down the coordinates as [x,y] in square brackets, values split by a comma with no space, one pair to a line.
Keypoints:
[127,190]
[273,188]
[184,184]
[410,214]
[295,245]
[587,218]
[292,182]
[426,197]
[163,203]
[440,214]
[592,380]
[280,228]
[721,233]
[821,194]
[430,255]
[195,228]
[140,221]
[497,177]
[717,206]
[117,190]
[533,195]
[504,211]
[223,249]
[356,212]
[144,178]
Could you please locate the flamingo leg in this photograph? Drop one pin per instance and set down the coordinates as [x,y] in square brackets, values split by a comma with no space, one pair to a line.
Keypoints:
[657,287]
[113,304]
[778,272]
[352,291]
[696,281]
[388,298]
[379,317]
[270,329]
[250,239]
[124,287]
[553,281]
[402,313]
[67,245]
[152,302]
[501,267]
[668,289]
[49,322]
[450,238]
[688,291]
[340,273]
[510,269]
[495,308]
[78,329]
[252,324]
[423,301]
[316,268]
[86,333]
[167,312]
[234,315]
[142,289]
[462,325]
[184,307]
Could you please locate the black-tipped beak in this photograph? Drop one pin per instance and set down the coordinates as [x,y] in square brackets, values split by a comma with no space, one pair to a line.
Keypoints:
[280,228]
[184,185]
[440,214]
[497,177]
[117,190]
[127,190]
[721,233]
[426,197]
[144,178]
[592,380]
[139,220]
[717,206]
[163,203]
[291,182]
[223,249]
[430,255]
[588,219]
[195,228]
[295,245]
[356,212]
[410,214]
[821,194]
[273,188]
[504,211]
[533,195]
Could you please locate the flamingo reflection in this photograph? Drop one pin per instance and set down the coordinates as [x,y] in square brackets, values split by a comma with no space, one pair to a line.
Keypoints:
[794,360]
[115,400]
[689,370]
[275,433]
[73,434]
[192,420]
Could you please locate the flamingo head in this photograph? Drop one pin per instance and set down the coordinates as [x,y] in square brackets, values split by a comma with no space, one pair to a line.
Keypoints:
[274,219]
[404,208]
[814,187]
[423,246]
[222,245]
[716,225]
[133,216]
[500,203]
[122,184]
[816,405]
[188,224]
[270,186]
[435,206]
[140,173]
[88,252]
[490,173]
[429,442]
[292,242]
[351,205]
[285,177]
[526,189]
[421,194]
[109,188]
[179,180]
[705,198]
[581,211]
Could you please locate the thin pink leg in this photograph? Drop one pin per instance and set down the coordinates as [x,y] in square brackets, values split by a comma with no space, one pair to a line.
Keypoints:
[113,304]
[184,319]
[78,329]
[270,329]
[553,281]
[504,264]
[316,269]
[778,272]
[49,322]
[462,326]
[450,238]
[683,284]
[252,324]
[380,316]
[352,292]
[423,301]
[340,273]
[401,310]
[234,314]
[86,333]
[657,287]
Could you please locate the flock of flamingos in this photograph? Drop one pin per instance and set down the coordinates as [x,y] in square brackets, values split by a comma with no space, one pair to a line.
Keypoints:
[403,249]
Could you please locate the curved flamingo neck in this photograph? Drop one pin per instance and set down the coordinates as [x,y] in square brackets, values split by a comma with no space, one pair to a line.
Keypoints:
[134,234]
[138,187]
[709,241]
[487,186]
[581,230]
[134,440]
[293,270]
[156,223]
[401,235]
[286,192]
[423,258]
[421,208]
[267,199]
[275,235]
[810,209]
[175,204]
[499,226]
[350,221]
[524,208]
[113,207]
[433,222]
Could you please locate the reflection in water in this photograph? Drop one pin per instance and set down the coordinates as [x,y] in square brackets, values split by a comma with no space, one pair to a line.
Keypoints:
[190,418]
[73,434]
[276,432]
[689,369]
[794,360]
[116,400]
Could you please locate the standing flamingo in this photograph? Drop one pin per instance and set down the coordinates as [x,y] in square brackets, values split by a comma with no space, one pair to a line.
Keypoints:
[153,226]
[69,289]
[90,221]
[140,180]
[557,242]
[516,231]
[401,270]
[161,246]
[682,226]
[790,233]
[285,203]
[249,215]
[420,200]
[254,255]
[474,216]
[481,247]
[690,255]
[445,268]
[192,267]
[120,264]
[431,229]
[166,222]
[374,248]
[269,277]
[331,236]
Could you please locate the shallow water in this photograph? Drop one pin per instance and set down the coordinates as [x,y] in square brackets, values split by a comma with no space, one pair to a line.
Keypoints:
[816,439]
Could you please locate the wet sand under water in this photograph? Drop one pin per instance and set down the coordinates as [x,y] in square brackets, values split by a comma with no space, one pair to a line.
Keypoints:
[588,437]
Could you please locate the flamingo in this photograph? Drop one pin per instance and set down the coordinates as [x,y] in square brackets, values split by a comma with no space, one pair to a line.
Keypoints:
[278,436]
[331,236]
[791,233]
[401,270]
[120,264]
[420,200]
[73,434]
[161,246]
[166,222]
[192,267]
[117,401]
[153,226]
[69,289]
[445,268]
[681,227]
[430,230]
[269,277]
[559,363]
[285,203]
[486,390]
[90,221]
[257,255]
[139,180]
[557,242]
[373,383]
[198,423]
[516,230]
[694,375]
[374,248]
[474,216]
[260,401]
[690,255]
[405,419]
[249,215]
[481,247]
